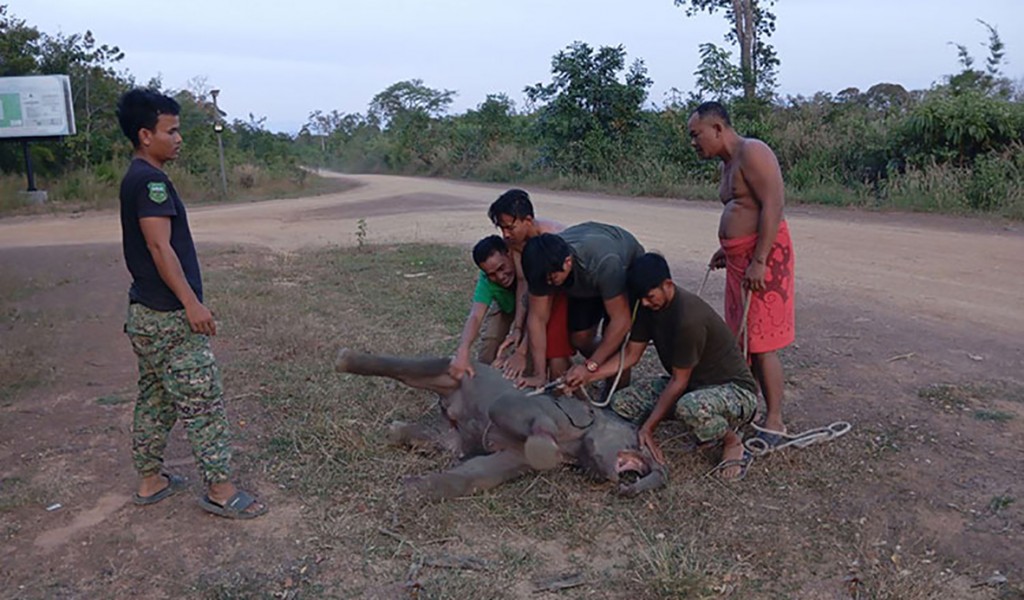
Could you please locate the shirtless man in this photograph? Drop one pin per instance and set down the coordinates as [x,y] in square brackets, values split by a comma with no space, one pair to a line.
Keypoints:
[512,213]
[755,249]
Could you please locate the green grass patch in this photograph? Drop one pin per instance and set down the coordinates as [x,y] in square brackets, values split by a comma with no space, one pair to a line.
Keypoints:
[993,415]
[83,190]
[999,503]
[113,400]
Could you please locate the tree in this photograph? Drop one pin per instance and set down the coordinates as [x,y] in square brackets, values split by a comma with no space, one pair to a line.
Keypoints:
[752,24]
[990,81]
[717,77]
[408,98]
[407,112]
[19,45]
[95,87]
[590,115]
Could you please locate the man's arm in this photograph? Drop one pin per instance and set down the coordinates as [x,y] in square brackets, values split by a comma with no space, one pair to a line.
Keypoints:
[516,362]
[461,364]
[157,233]
[634,352]
[761,172]
[666,402]
[615,331]
[537,329]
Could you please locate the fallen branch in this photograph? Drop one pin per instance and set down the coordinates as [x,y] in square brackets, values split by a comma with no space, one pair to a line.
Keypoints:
[902,356]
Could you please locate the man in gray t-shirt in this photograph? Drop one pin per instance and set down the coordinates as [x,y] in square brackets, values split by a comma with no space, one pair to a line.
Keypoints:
[589,263]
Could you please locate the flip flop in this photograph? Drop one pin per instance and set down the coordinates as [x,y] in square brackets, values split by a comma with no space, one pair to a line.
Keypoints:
[770,438]
[175,483]
[234,508]
[743,463]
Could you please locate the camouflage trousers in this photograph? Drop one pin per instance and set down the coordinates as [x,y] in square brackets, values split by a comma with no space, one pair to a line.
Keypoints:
[707,412]
[178,378]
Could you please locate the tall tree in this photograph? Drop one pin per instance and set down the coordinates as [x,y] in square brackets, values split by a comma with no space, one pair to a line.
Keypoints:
[589,114]
[409,98]
[19,45]
[752,23]
[95,87]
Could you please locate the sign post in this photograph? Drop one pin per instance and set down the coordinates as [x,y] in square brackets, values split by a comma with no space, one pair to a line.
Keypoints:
[35,107]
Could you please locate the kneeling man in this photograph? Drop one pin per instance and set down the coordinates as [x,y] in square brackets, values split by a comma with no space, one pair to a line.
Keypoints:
[710,388]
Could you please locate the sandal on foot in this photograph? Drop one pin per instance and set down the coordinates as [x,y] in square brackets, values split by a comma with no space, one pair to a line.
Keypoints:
[743,463]
[771,438]
[175,483]
[234,508]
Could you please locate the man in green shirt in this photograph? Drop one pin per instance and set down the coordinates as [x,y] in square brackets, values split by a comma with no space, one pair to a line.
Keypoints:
[709,388]
[493,307]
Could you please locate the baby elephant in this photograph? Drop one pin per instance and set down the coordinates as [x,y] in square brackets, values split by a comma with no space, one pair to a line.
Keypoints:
[502,432]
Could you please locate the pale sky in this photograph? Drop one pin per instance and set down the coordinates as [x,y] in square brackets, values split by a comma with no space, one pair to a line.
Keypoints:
[282,59]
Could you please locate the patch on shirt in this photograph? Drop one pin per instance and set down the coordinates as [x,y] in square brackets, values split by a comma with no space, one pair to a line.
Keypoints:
[157,191]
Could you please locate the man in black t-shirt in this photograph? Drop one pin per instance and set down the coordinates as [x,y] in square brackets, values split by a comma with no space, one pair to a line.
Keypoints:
[589,263]
[168,325]
[709,388]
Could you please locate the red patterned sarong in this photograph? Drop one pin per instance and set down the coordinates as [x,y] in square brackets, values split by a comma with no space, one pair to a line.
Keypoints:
[771,320]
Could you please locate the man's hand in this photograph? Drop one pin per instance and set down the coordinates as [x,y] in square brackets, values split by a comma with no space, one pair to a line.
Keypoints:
[515,365]
[753,280]
[200,319]
[534,381]
[717,259]
[646,439]
[459,367]
[510,340]
[577,376]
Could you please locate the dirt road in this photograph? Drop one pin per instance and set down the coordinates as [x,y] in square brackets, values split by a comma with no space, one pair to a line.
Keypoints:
[938,268]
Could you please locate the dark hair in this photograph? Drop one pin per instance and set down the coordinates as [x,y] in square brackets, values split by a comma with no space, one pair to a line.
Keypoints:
[514,203]
[713,109]
[141,108]
[486,247]
[542,256]
[646,272]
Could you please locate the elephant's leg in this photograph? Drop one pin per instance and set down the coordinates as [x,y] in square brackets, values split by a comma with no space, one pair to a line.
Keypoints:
[423,437]
[529,419]
[475,475]
[421,373]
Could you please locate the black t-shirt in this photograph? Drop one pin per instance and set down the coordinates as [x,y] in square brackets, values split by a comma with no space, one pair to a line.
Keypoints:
[601,255]
[146,191]
[688,333]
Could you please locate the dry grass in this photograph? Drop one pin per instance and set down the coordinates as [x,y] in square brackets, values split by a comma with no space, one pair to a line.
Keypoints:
[803,524]
[838,520]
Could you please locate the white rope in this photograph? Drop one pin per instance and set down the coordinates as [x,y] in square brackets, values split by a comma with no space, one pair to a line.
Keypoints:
[759,447]
[622,363]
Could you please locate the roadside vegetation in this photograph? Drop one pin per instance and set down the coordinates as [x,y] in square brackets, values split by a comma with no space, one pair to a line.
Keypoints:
[84,170]
[954,148]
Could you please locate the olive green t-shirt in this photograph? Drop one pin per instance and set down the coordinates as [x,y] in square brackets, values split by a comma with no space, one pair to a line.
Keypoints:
[601,255]
[688,333]
[487,291]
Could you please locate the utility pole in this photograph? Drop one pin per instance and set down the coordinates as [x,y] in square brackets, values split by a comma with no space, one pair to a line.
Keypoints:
[218,126]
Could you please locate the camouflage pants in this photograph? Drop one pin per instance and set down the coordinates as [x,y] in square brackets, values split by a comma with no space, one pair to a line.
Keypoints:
[178,378]
[707,412]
